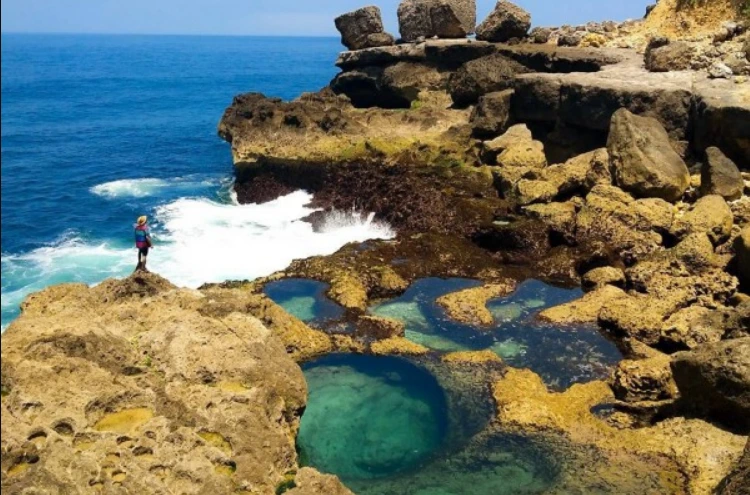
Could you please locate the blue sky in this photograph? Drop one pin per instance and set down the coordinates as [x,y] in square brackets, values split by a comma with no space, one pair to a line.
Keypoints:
[261,17]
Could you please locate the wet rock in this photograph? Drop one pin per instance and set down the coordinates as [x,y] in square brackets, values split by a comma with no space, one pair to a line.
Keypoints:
[583,310]
[559,217]
[470,305]
[715,379]
[710,215]
[491,115]
[308,481]
[419,19]
[603,276]
[482,76]
[379,328]
[719,175]
[677,55]
[644,380]
[363,28]
[397,346]
[644,162]
[506,21]
[471,357]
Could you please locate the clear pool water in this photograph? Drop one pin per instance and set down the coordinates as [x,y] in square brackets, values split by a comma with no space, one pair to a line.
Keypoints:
[306,299]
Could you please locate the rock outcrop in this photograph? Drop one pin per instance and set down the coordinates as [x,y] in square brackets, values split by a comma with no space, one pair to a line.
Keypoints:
[644,162]
[716,378]
[719,175]
[363,28]
[136,385]
[482,76]
[505,22]
[668,57]
[421,19]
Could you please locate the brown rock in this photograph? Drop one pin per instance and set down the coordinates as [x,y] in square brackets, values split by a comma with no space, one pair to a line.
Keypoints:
[419,19]
[600,277]
[644,380]
[310,482]
[470,305]
[715,379]
[719,175]
[491,115]
[583,310]
[711,216]
[643,159]
[742,250]
[506,21]
[677,55]
[363,28]
[481,76]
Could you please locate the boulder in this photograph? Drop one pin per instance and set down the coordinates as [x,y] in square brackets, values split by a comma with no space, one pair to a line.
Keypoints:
[710,215]
[719,175]
[644,162]
[571,39]
[672,56]
[694,326]
[482,76]
[586,309]
[540,35]
[715,379]
[419,19]
[644,380]
[559,217]
[363,28]
[505,22]
[721,118]
[491,115]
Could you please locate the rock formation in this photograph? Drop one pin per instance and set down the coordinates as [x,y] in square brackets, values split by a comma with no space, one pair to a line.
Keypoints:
[421,19]
[505,22]
[363,28]
[643,159]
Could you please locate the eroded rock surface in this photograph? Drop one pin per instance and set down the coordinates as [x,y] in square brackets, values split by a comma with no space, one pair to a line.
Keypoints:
[363,28]
[136,385]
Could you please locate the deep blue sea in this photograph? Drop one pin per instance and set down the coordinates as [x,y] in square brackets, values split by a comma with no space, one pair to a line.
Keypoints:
[97,130]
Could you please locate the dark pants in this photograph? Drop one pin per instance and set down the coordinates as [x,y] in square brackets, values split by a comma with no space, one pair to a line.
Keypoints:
[142,255]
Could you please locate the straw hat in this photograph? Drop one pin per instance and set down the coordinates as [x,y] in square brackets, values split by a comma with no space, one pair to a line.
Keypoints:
[142,220]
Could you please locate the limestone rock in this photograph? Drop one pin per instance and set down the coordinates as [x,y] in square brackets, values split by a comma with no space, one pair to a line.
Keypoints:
[138,386]
[719,175]
[363,28]
[419,19]
[672,56]
[644,380]
[710,215]
[715,378]
[602,276]
[470,305]
[540,35]
[491,115]
[523,154]
[583,310]
[376,327]
[643,159]
[506,21]
[308,481]
[571,39]
[559,217]
[580,174]
[694,326]
[483,75]
[530,191]
[720,70]
[738,482]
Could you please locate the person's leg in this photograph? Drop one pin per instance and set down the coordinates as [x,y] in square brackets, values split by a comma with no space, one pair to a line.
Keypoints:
[144,256]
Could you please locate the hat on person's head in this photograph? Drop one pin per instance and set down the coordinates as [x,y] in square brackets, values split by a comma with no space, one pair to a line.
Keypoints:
[142,220]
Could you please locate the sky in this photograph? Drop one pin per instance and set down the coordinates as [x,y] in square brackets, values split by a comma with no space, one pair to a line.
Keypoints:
[259,17]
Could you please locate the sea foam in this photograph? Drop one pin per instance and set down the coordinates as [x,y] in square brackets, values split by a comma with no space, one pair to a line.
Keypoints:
[195,241]
[146,187]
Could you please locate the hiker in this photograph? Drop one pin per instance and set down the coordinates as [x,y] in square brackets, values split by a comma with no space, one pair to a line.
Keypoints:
[142,242]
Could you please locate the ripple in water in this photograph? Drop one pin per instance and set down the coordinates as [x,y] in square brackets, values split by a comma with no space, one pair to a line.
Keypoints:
[561,355]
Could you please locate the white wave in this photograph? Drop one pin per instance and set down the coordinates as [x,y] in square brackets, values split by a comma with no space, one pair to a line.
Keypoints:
[145,187]
[195,241]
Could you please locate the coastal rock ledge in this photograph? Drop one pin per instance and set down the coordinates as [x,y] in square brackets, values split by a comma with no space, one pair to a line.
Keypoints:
[135,386]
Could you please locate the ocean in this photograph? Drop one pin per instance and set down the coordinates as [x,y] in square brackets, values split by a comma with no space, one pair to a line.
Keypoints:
[99,129]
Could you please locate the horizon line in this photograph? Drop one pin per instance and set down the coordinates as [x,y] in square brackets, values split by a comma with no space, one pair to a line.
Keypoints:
[248,35]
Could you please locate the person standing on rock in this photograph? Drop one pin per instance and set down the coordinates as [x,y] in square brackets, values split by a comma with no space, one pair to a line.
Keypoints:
[142,242]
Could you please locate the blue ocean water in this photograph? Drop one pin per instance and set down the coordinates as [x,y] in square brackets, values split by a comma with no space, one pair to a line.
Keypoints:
[97,130]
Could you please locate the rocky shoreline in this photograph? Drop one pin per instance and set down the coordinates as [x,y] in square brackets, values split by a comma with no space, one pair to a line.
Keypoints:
[576,156]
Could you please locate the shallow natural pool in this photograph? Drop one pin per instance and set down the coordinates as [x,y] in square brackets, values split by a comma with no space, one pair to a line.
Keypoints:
[304,298]
[380,424]
[369,417]
[561,355]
